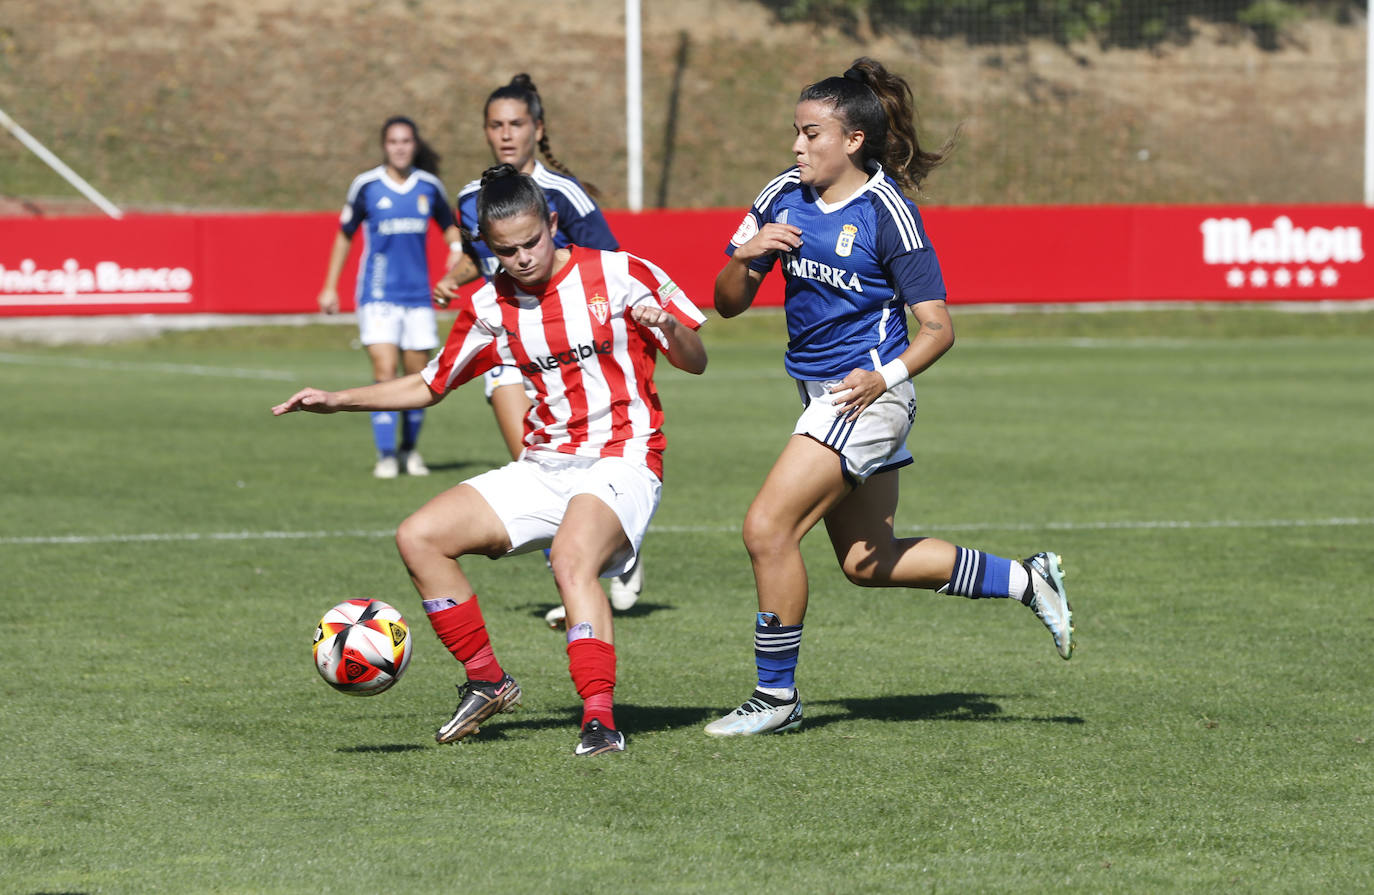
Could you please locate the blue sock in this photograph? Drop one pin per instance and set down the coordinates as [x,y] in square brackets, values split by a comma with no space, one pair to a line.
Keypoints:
[978,574]
[776,649]
[411,421]
[384,432]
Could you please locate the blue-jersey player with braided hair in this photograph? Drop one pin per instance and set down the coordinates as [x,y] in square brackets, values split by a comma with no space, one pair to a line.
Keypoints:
[856,260]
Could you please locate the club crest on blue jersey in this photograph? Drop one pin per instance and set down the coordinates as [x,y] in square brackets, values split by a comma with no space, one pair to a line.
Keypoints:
[845,244]
[422,205]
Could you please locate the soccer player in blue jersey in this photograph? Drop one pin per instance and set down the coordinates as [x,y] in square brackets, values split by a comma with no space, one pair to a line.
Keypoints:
[513,121]
[393,204]
[855,258]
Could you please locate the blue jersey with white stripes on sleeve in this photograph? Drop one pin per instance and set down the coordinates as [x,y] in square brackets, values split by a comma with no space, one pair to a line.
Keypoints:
[580,221]
[860,262]
[395,220]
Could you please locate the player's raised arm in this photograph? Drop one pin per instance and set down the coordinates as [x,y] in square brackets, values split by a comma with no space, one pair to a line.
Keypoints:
[407,393]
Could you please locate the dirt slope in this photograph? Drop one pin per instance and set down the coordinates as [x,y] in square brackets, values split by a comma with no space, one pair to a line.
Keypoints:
[275,104]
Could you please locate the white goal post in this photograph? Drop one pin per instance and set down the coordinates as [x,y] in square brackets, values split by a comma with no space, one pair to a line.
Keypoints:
[1369,103]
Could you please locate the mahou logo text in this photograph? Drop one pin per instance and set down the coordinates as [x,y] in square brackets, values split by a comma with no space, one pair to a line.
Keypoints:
[1235,241]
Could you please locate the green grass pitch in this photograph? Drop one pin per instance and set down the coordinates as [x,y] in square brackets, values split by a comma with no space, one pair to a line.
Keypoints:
[166,548]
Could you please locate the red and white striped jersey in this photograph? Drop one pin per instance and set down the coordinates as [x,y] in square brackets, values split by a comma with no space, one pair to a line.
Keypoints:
[592,367]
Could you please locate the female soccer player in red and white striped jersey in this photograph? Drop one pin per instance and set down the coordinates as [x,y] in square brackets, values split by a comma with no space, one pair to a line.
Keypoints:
[513,121]
[585,327]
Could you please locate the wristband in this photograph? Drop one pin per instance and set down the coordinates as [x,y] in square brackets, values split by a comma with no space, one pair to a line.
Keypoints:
[894,371]
[455,246]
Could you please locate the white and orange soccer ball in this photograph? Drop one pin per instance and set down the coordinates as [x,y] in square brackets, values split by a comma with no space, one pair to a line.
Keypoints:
[362,647]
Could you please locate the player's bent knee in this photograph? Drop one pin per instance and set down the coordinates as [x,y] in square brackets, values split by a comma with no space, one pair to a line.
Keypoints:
[764,536]
[861,575]
[418,536]
[570,569]
[867,568]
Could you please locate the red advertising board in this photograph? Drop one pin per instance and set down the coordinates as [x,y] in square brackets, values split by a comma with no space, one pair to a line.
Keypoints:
[99,266]
[275,263]
[1249,253]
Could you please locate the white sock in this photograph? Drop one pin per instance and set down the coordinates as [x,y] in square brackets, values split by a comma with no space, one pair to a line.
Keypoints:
[783,693]
[1017,580]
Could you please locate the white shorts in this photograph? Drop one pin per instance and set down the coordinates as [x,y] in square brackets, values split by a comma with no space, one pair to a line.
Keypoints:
[409,328]
[530,495]
[499,376]
[875,442]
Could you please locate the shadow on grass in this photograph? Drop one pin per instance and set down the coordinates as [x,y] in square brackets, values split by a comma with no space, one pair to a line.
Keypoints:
[922,707]
[632,718]
[915,707]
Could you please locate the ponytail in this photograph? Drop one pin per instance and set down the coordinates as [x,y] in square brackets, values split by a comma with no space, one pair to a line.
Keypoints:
[869,98]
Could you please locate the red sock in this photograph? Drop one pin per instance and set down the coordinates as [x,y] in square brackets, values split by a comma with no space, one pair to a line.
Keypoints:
[592,664]
[462,631]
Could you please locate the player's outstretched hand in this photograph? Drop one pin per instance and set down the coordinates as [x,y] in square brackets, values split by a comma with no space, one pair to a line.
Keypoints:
[312,399]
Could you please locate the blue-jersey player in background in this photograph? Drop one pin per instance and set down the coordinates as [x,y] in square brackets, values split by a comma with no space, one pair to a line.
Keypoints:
[393,205]
[513,121]
[855,257]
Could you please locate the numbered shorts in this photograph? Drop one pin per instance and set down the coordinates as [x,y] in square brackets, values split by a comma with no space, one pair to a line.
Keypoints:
[499,376]
[530,495]
[386,323]
[873,443]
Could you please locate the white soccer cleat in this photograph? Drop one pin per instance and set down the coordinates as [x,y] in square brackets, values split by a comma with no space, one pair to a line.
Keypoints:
[759,714]
[414,463]
[386,468]
[557,617]
[1048,599]
[624,589]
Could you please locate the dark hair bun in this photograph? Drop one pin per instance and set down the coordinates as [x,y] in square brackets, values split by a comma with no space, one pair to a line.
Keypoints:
[496,172]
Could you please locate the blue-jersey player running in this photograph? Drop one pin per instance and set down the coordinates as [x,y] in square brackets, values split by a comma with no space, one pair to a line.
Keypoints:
[855,257]
[513,121]
[393,205]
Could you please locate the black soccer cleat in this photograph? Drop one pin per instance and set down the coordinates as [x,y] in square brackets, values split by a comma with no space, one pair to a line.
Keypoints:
[478,701]
[597,739]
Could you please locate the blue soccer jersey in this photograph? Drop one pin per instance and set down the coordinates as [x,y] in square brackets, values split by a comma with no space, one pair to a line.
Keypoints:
[395,220]
[580,221]
[860,261]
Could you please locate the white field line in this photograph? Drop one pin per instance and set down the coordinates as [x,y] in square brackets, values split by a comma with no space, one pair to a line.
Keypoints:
[141,367]
[1123,525]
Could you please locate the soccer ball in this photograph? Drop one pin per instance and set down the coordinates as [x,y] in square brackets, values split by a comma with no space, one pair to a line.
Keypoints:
[362,647]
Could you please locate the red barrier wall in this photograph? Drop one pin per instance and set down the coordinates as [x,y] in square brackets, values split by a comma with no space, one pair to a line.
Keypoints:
[274,263]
